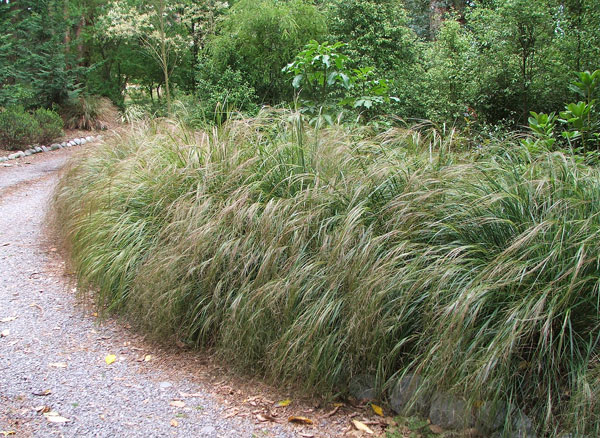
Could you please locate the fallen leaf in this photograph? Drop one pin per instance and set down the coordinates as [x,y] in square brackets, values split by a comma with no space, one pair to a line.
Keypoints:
[58,365]
[300,420]
[7,432]
[174,423]
[362,426]
[42,409]
[4,333]
[434,428]
[147,358]
[177,404]
[338,405]
[283,403]
[8,319]
[377,409]
[53,417]
[110,359]
[42,393]
[265,417]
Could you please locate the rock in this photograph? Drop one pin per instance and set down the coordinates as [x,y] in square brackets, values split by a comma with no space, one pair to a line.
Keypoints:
[363,387]
[450,412]
[16,155]
[64,144]
[165,385]
[89,138]
[71,143]
[54,147]
[77,141]
[521,426]
[491,417]
[38,149]
[407,399]
[3,159]
[45,149]
[28,152]
[208,431]
[83,140]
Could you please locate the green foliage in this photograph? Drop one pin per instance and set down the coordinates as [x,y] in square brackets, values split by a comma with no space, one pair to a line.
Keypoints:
[311,256]
[50,125]
[18,128]
[258,38]
[322,78]
[220,92]
[38,64]
[580,120]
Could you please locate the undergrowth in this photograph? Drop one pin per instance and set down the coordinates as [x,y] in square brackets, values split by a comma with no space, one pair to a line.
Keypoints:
[311,256]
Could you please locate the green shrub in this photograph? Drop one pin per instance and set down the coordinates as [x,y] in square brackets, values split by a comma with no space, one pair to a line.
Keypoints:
[312,256]
[18,128]
[51,125]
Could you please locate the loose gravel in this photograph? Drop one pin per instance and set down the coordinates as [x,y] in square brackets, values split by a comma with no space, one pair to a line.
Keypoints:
[53,351]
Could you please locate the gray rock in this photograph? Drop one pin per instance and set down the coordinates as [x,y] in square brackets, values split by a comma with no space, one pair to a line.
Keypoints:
[28,152]
[16,155]
[38,149]
[54,147]
[208,431]
[71,143]
[3,159]
[64,144]
[450,412]
[521,426]
[89,138]
[165,385]
[408,396]
[491,417]
[363,387]
[83,140]
[77,141]
[45,149]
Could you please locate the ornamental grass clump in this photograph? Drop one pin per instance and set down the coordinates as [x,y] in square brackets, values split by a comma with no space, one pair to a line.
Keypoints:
[309,256]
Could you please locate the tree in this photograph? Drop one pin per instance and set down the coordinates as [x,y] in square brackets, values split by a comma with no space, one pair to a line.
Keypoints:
[156,25]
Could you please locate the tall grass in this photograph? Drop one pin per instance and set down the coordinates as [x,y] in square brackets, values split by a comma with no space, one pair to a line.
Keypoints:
[311,256]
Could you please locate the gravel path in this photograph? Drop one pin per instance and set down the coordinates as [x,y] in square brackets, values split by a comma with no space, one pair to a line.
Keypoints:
[53,351]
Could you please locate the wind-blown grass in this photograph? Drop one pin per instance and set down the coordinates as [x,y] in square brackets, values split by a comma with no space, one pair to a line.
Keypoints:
[311,256]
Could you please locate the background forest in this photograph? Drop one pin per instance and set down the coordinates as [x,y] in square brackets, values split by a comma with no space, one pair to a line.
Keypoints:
[454,61]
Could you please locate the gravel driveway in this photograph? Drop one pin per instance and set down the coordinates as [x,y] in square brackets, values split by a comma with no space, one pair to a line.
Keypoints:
[54,378]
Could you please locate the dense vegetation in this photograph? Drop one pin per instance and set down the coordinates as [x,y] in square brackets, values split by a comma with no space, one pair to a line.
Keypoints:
[287,211]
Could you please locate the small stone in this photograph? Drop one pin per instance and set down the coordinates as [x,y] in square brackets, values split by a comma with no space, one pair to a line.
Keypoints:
[16,155]
[38,149]
[409,398]
[45,149]
[3,159]
[28,152]
[450,412]
[83,140]
[64,144]
[54,147]
[165,385]
[77,141]
[89,138]
[208,431]
[71,143]
[363,387]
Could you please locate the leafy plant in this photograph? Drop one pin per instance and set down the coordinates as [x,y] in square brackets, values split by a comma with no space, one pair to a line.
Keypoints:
[50,123]
[18,128]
